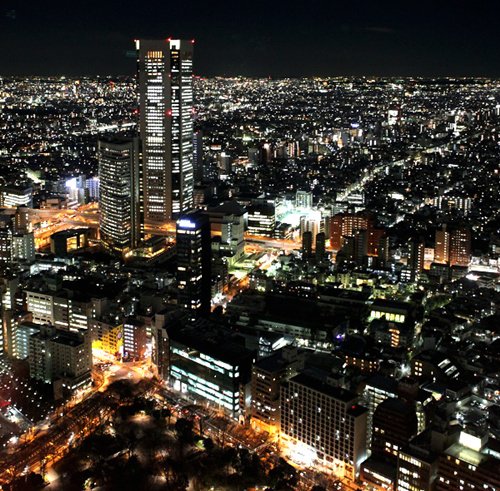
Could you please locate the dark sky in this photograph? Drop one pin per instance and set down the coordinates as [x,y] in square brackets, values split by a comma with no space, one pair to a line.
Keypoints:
[256,38]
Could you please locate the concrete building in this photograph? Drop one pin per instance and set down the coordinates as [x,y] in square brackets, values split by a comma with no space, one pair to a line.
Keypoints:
[227,224]
[12,197]
[324,423]
[469,464]
[23,247]
[134,338]
[56,354]
[210,363]
[66,241]
[261,220]
[267,376]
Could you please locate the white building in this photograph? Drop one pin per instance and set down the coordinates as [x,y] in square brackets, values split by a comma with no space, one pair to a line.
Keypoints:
[323,424]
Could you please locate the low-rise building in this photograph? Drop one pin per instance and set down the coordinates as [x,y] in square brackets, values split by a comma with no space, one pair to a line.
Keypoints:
[210,363]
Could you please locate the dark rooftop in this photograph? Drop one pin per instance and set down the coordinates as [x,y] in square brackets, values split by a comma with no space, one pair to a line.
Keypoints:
[329,390]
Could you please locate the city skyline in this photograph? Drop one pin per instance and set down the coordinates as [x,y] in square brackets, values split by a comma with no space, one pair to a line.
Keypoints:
[248,283]
[279,40]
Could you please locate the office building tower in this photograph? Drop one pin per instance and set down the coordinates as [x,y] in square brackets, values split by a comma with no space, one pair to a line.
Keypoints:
[166,128]
[460,246]
[193,263]
[261,219]
[416,256]
[267,376]
[442,250]
[320,246]
[394,424]
[306,245]
[303,199]
[119,194]
[134,338]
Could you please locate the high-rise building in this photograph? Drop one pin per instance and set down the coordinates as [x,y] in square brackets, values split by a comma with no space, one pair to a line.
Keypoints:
[193,263]
[306,245]
[134,338]
[23,247]
[320,246]
[261,219]
[416,256]
[267,376]
[442,251]
[303,199]
[57,354]
[453,246]
[460,244]
[119,193]
[324,421]
[198,156]
[310,223]
[166,128]
[346,225]
[394,424]
[227,223]
[12,196]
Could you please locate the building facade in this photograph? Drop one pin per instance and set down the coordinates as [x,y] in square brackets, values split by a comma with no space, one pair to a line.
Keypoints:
[324,422]
[166,128]
[119,219]
[194,263]
[207,363]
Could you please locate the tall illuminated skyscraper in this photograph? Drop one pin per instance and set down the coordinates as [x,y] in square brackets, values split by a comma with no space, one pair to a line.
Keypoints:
[193,263]
[165,69]
[119,193]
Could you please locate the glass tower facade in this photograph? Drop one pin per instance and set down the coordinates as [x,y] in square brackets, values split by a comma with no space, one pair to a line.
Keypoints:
[193,263]
[165,69]
[119,193]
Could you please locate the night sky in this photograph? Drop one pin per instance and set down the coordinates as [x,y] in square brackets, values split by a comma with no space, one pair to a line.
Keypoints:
[256,38]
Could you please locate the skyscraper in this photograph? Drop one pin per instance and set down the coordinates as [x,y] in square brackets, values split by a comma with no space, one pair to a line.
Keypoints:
[119,193]
[442,251]
[166,128]
[416,249]
[454,246]
[193,263]
[460,246]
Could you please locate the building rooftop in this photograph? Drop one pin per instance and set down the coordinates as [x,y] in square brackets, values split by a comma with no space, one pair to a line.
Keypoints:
[230,207]
[212,340]
[329,390]
[272,363]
